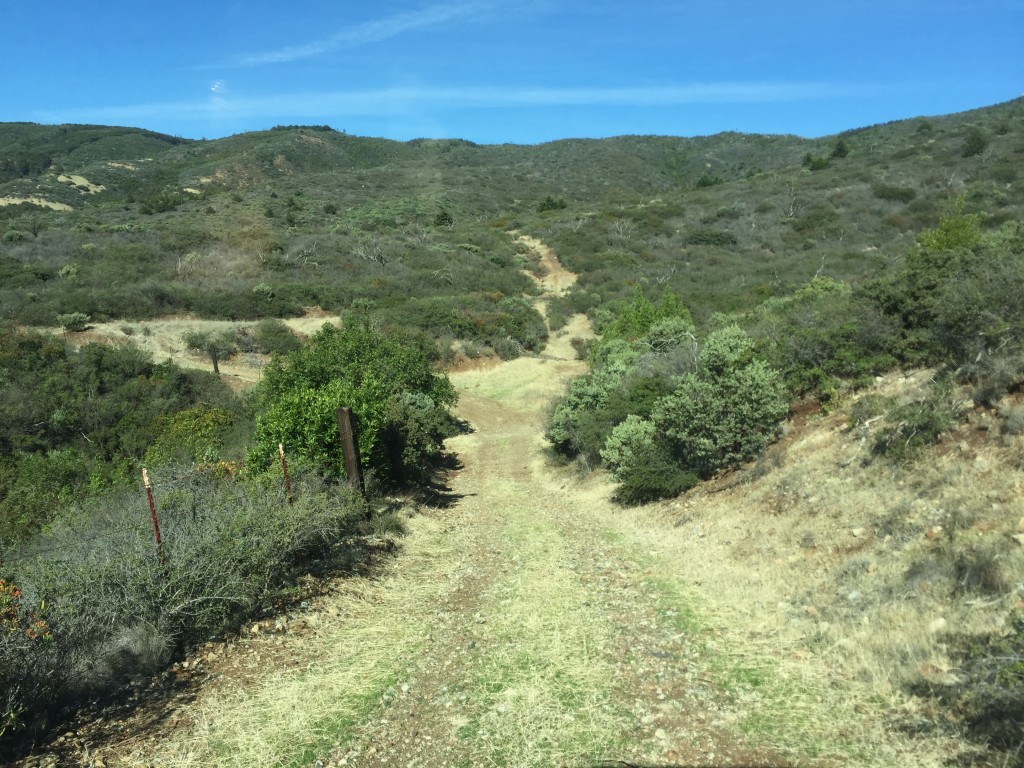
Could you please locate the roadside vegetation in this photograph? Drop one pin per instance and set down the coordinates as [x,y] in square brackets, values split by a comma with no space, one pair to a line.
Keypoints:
[734,280]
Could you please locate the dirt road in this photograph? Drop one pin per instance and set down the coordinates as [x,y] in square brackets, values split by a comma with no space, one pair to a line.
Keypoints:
[518,626]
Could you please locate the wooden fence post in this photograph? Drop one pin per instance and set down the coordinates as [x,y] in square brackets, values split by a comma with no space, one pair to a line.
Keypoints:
[350,449]
[284,468]
[152,514]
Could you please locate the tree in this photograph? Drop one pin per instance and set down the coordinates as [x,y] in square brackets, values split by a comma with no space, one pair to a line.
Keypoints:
[841,149]
[975,142]
[217,346]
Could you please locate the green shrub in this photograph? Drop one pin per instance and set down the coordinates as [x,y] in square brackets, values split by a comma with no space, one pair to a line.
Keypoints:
[975,142]
[823,333]
[634,320]
[550,204]
[840,149]
[815,162]
[273,337]
[115,611]
[630,440]
[74,321]
[13,236]
[894,193]
[727,411]
[656,474]
[914,426]
[706,236]
[371,372]
[706,180]
[194,434]
[956,230]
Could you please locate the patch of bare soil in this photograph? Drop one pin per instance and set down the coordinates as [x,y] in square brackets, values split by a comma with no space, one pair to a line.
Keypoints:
[557,279]
[35,200]
[164,339]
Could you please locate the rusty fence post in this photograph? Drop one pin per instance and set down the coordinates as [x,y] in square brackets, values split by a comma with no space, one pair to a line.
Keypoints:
[284,468]
[152,514]
[350,449]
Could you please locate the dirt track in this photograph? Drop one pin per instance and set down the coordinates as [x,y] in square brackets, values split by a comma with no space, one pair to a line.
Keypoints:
[518,626]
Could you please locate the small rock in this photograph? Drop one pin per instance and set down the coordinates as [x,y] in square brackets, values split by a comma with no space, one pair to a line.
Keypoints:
[1019,538]
[661,735]
[937,625]
[857,532]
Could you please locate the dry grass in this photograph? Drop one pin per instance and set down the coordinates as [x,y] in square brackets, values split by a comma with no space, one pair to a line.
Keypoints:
[35,200]
[163,339]
[543,693]
[841,577]
[294,713]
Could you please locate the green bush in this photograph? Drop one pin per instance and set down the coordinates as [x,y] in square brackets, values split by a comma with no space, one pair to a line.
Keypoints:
[914,426]
[815,162]
[840,149]
[628,442]
[662,415]
[550,204]
[823,333]
[894,193]
[73,321]
[975,142]
[727,411]
[273,337]
[374,373]
[115,611]
[707,236]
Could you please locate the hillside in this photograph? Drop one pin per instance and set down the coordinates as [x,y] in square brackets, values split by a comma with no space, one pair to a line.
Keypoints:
[774,617]
[263,224]
[739,425]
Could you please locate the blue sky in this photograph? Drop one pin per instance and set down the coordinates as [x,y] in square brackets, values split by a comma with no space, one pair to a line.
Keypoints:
[518,71]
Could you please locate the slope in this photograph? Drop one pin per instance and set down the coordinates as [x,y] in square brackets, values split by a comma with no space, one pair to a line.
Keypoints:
[530,622]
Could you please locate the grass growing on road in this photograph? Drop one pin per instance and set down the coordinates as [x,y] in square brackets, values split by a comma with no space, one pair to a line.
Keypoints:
[294,715]
[543,691]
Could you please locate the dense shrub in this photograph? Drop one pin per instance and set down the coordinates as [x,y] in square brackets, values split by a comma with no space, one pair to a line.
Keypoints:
[115,611]
[823,333]
[662,413]
[400,403]
[894,193]
[75,422]
[975,142]
[550,204]
[273,337]
[725,412]
[708,236]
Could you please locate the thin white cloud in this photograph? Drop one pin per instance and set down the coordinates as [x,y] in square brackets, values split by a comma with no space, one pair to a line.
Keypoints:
[370,32]
[396,101]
